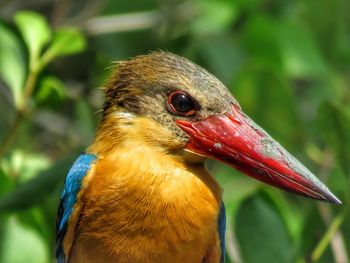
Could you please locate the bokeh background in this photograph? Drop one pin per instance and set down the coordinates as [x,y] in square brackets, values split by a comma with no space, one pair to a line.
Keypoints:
[287,63]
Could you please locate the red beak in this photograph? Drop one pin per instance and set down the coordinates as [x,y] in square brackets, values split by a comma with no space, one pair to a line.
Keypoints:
[238,141]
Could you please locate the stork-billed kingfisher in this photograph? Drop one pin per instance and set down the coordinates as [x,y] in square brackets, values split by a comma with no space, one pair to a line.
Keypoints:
[141,192]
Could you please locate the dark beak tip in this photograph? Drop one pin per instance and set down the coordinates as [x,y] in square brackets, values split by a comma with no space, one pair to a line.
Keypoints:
[322,193]
[333,199]
[328,196]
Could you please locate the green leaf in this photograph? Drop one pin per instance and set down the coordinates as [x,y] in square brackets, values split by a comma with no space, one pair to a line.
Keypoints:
[291,213]
[24,166]
[283,46]
[34,218]
[334,124]
[301,57]
[213,16]
[260,39]
[313,230]
[222,55]
[35,190]
[5,182]
[12,63]
[50,86]
[261,234]
[66,41]
[237,187]
[22,244]
[35,31]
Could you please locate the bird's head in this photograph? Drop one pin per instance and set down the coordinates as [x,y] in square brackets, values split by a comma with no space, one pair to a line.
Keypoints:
[179,107]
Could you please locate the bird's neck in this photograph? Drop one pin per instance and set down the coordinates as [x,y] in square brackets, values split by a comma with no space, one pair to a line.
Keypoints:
[129,145]
[159,194]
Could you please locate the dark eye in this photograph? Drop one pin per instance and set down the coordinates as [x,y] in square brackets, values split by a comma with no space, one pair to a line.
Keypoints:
[181,103]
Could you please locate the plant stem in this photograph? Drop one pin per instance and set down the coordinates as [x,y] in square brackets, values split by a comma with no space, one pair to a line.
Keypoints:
[22,109]
[10,136]
[336,239]
[333,228]
[28,88]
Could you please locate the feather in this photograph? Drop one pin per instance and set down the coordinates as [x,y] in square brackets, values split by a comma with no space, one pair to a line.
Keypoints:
[68,200]
[222,230]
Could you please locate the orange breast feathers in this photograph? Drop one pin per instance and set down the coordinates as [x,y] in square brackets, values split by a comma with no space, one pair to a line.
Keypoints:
[143,204]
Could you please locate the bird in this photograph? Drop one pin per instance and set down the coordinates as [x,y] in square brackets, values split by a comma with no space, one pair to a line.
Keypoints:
[141,191]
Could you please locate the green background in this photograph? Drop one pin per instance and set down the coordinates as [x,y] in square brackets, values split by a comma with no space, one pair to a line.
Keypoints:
[286,62]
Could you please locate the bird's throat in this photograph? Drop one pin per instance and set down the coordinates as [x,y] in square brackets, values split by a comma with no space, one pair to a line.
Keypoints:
[152,198]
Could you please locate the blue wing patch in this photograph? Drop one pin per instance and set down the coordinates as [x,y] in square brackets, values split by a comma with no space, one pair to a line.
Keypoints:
[222,230]
[68,199]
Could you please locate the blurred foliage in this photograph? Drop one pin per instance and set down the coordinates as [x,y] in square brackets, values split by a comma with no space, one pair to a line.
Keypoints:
[286,62]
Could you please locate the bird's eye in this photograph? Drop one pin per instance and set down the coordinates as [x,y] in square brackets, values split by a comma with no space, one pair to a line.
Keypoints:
[181,103]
